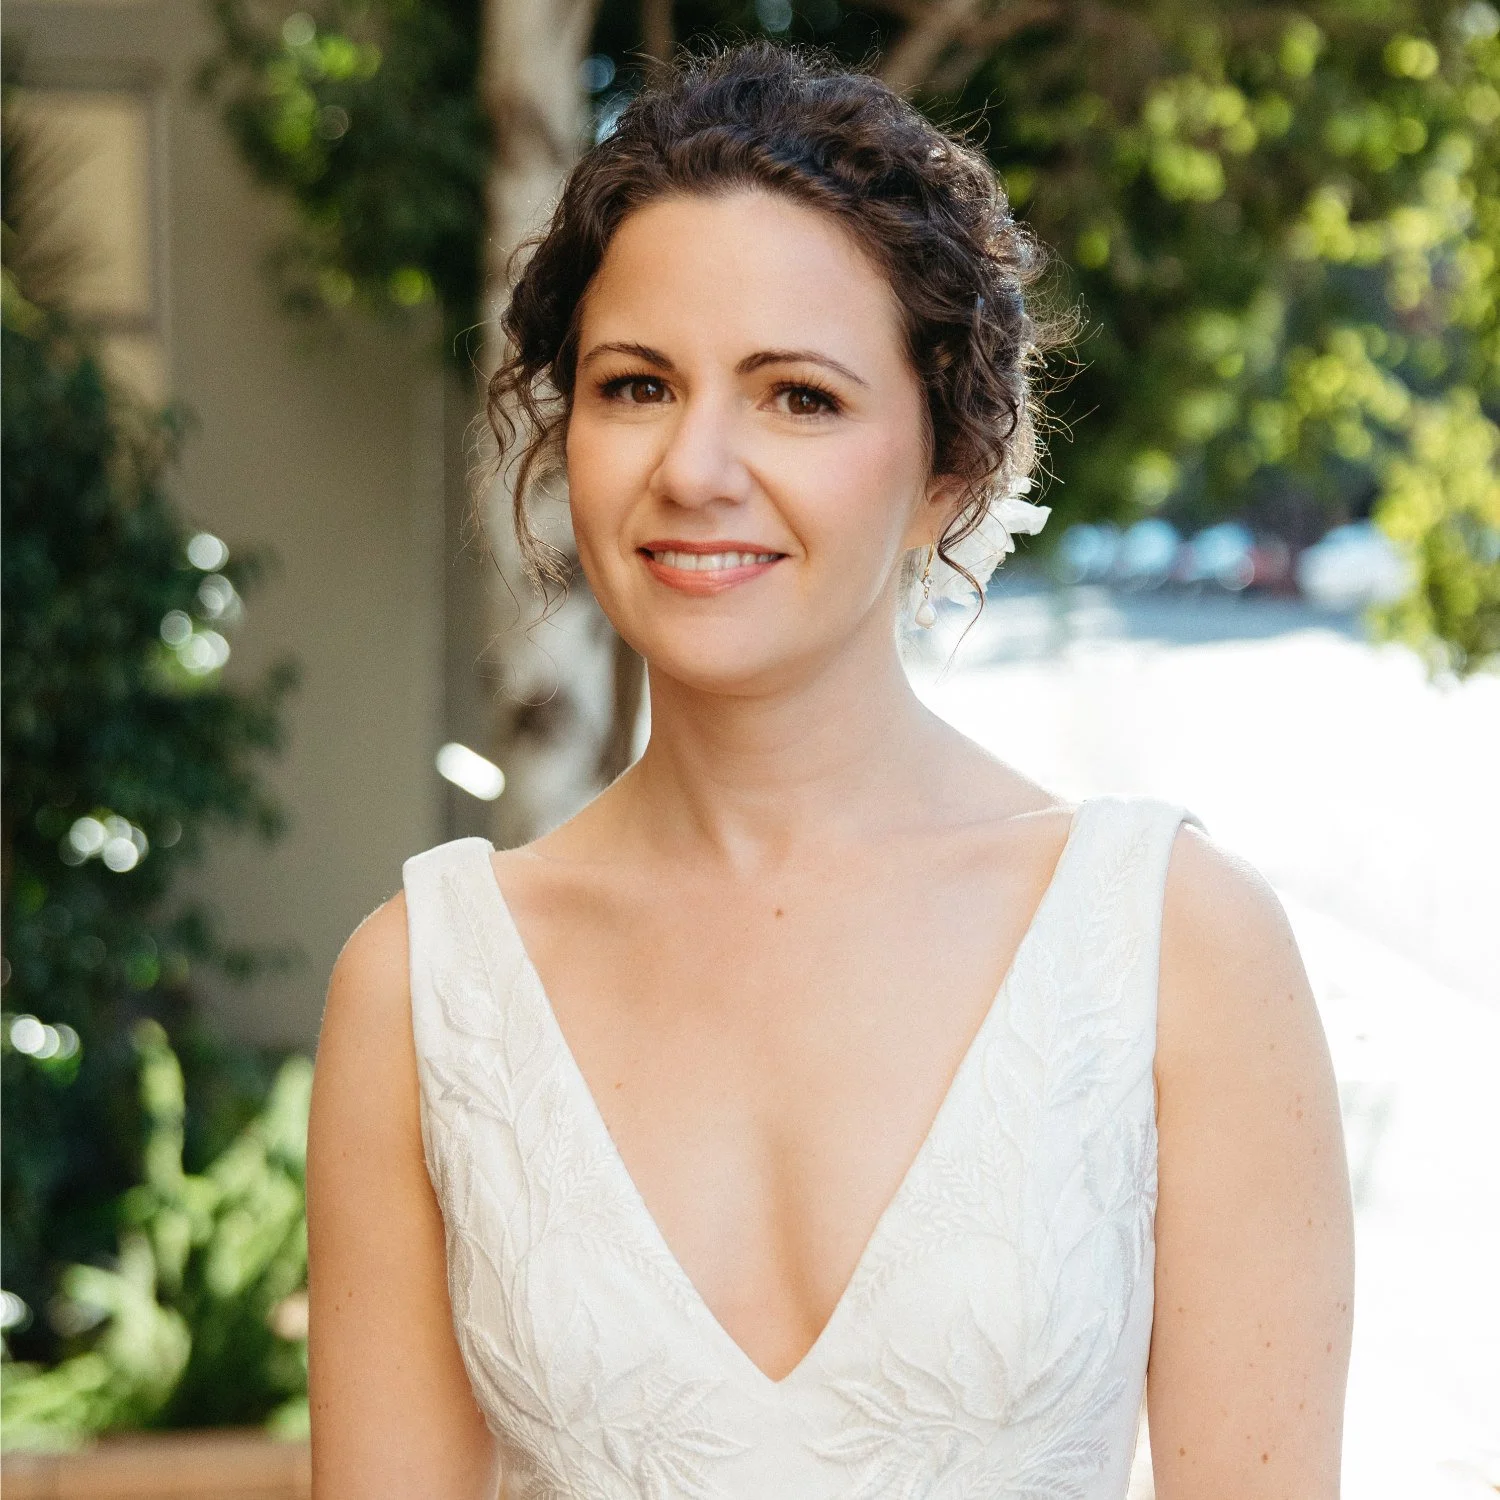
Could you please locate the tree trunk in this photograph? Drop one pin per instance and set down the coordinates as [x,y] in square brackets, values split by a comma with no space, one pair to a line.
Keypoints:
[656,29]
[922,44]
[551,684]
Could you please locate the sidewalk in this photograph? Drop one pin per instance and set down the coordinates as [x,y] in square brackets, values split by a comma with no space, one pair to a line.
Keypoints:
[1370,800]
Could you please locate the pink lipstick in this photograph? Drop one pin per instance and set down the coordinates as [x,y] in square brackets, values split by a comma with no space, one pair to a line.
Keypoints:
[706,567]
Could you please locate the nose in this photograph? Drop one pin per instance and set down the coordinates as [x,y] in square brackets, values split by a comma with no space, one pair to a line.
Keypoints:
[703,459]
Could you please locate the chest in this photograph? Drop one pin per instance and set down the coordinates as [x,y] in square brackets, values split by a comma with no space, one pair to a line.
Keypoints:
[768,1056]
[773,999]
[846,975]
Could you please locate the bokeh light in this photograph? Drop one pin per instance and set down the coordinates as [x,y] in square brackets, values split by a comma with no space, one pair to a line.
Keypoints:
[207,552]
[469,770]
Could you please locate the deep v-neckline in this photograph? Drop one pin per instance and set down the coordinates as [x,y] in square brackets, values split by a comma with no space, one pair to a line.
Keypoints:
[595,1117]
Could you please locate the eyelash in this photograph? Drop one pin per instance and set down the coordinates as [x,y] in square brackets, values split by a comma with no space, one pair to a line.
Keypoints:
[615,387]
[832,404]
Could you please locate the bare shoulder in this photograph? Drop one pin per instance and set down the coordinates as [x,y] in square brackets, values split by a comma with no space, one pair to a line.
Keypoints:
[1231,972]
[391,1407]
[366,1061]
[1237,1026]
[1254,1247]
[370,985]
[374,961]
[1212,892]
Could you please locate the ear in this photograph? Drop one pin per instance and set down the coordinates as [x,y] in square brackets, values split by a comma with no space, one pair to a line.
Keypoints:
[934,513]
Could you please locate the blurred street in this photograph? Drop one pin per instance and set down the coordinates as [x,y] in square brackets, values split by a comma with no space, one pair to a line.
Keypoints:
[1370,798]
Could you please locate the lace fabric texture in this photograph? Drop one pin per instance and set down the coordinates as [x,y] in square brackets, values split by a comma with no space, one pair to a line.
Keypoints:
[992,1341]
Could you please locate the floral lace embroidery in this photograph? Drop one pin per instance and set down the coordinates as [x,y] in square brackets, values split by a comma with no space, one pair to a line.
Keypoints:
[993,1338]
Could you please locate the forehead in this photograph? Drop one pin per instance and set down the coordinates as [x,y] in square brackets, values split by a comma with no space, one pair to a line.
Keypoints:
[742,270]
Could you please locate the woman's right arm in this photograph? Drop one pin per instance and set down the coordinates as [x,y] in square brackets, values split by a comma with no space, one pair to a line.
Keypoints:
[393,1414]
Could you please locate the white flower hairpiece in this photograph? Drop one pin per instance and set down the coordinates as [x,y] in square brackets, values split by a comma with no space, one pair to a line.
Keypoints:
[984,549]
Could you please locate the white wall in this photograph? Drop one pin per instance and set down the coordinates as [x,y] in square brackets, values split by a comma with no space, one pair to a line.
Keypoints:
[330,453]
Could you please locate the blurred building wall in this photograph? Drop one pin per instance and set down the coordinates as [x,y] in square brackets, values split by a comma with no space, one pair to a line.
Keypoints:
[329,453]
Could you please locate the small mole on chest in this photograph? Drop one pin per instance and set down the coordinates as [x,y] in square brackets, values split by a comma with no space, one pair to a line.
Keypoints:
[778,911]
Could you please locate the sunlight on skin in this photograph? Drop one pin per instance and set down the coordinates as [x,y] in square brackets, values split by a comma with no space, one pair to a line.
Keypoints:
[698,435]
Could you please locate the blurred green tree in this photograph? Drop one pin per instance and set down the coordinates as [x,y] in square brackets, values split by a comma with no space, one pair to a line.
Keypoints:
[122,745]
[370,119]
[1285,225]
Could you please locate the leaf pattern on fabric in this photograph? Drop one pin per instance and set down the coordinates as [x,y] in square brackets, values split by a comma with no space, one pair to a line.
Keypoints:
[993,1337]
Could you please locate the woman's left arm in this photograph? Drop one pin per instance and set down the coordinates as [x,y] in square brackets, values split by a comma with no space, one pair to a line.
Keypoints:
[1254,1226]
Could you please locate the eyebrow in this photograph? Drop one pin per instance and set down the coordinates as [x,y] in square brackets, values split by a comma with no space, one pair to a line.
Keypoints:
[746,366]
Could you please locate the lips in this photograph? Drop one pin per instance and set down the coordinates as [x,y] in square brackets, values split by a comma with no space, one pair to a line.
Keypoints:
[706,567]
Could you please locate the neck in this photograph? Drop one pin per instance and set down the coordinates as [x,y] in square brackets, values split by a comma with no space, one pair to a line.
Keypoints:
[751,778]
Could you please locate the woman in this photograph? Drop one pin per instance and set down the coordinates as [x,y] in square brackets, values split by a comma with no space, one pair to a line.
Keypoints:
[826,1109]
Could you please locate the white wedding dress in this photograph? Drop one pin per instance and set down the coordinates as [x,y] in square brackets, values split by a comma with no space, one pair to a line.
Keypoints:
[992,1340]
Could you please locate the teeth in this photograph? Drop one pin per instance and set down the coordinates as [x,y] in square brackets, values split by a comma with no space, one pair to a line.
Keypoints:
[708,562]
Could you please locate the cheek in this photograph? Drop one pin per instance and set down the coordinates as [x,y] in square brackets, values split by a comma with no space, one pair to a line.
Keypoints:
[857,495]
[604,473]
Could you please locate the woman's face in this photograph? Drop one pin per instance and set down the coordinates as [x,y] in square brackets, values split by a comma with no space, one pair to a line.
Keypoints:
[746,451]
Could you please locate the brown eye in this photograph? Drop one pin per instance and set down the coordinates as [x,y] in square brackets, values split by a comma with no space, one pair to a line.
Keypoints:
[807,401]
[635,390]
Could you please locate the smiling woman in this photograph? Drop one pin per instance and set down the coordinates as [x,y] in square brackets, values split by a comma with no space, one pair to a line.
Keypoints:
[825,1110]
[756,391]
[921,213]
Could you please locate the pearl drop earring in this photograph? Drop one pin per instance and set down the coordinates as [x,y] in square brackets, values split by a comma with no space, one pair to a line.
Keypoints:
[926,615]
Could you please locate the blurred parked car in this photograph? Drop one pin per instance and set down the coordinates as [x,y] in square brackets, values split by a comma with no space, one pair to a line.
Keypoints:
[1152,552]
[1087,552]
[1147,555]
[1352,567]
[1222,554]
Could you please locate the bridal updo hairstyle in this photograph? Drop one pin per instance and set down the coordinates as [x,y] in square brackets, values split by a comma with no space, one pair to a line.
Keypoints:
[924,205]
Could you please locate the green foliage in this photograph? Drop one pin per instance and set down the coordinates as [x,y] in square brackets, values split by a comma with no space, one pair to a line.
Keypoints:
[123,746]
[201,1320]
[1283,222]
[369,118]
[1441,501]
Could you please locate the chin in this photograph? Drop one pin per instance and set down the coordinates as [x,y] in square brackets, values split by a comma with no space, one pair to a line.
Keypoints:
[734,668]
[738,659]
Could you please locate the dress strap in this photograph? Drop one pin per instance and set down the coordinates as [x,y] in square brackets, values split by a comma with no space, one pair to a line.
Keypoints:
[1092,967]
[1127,847]
[1113,831]
[463,963]
[475,1028]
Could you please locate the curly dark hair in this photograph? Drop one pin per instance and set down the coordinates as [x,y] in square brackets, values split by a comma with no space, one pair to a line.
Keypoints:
[922,203]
